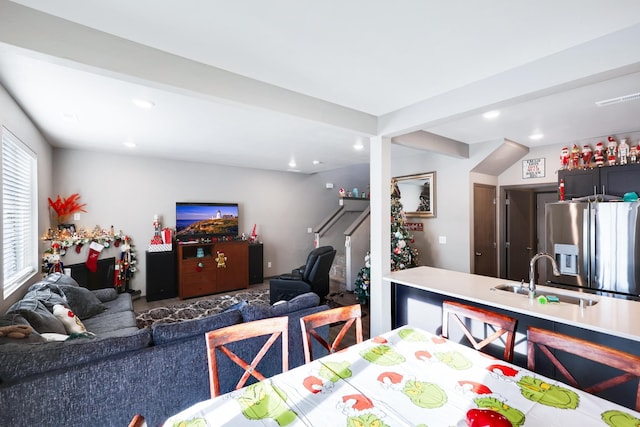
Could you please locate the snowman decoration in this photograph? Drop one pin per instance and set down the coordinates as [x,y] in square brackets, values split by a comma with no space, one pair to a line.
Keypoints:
[623,152]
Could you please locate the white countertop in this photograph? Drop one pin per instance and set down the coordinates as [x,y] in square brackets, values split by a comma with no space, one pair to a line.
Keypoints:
[614,316]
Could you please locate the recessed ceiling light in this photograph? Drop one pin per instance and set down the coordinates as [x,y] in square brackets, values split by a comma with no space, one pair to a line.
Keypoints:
[491,114]
[358,145]
[129,144]
[292,164]
[317,162]
[143,103]
[536,136]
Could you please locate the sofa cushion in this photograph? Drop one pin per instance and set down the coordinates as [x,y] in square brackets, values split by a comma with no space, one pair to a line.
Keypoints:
[120,304]
[38,316]
[22,360]
[257,312]
[110,321]
[82,301]
[167,332]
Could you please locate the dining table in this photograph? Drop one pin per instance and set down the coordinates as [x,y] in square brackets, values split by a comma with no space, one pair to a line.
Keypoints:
[406,377]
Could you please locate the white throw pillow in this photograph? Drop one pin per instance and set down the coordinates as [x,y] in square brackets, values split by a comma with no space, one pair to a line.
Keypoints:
[72,324]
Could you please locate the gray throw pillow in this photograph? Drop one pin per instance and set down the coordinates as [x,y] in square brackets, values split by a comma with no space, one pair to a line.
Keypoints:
[105,294]
[40,319]
[82,301]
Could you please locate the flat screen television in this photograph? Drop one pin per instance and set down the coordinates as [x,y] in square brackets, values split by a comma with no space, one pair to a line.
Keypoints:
[202,221]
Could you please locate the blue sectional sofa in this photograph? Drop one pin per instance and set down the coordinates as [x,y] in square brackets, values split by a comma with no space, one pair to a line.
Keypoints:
[104,378]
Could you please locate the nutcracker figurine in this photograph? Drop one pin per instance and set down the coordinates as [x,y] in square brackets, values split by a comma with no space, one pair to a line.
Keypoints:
[564,158]
[612,149]
[623,152]
[575,157]
[599,154]
[587,153]
[633,154]
[157,237]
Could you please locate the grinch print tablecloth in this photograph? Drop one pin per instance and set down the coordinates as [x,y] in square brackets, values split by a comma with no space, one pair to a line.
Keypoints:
[407,377]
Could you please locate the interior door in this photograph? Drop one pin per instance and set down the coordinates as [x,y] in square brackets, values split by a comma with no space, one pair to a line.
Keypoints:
[520,233]
[484,230]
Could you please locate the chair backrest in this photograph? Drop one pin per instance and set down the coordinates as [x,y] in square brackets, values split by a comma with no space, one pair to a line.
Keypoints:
[311,266]
[350,314]
[217,340]
[628,364]
[502,325]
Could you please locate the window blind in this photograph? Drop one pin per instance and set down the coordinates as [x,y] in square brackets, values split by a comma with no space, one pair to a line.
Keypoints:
[19,238]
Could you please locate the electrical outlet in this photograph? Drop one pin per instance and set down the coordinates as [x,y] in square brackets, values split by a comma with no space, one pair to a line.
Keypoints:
[76,217]
[309,230]
[442,240]
[269,264]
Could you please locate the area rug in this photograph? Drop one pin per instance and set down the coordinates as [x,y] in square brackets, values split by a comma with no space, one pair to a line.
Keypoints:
[200,308]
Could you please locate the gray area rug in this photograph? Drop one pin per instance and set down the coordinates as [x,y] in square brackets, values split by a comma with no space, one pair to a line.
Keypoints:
[199,308]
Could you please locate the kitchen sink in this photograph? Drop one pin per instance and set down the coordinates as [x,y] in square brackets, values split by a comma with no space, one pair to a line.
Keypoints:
[519,289]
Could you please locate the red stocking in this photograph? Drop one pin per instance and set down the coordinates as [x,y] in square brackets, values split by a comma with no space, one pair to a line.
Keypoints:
[94,252]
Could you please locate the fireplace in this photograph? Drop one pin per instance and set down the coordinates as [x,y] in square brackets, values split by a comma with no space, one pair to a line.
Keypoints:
[101,278]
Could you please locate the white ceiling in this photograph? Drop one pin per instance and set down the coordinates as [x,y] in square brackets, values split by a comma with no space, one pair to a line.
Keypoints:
[256,83]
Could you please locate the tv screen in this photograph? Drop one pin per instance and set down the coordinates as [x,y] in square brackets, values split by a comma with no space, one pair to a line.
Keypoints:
[197,221]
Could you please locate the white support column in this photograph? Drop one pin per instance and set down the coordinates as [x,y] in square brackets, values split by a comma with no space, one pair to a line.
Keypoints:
[380,201]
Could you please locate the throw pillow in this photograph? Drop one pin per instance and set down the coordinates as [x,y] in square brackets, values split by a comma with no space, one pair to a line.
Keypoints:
[35,312]
[257,312]
[82,301]
[105,294]
[70,321]
[15,319]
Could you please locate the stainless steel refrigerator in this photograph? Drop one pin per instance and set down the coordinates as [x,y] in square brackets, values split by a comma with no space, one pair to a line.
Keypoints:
[596,244]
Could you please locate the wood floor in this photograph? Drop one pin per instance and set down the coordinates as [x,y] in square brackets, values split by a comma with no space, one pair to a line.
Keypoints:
[336,293]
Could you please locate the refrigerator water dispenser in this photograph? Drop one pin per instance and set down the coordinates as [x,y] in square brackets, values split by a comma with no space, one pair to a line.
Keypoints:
[567,258]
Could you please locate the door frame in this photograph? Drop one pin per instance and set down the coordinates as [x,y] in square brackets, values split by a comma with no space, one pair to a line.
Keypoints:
[502,217]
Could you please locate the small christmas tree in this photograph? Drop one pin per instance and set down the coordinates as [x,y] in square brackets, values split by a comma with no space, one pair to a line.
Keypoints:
[402,254]
[362,281]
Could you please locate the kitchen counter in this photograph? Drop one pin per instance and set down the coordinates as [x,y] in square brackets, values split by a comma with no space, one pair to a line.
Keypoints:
[613,316]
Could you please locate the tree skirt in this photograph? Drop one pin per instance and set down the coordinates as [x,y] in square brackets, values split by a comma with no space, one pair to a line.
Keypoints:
[200,308]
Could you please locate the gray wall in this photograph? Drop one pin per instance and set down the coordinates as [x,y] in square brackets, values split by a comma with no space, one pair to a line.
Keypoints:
[14,119]
[127,191]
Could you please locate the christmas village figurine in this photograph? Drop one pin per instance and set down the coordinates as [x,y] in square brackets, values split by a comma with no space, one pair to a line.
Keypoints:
[623,152]
[587,153]
[599,154]
[564,158]
[612,150]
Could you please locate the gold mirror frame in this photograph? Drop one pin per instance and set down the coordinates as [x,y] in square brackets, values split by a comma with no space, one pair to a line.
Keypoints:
[418,194]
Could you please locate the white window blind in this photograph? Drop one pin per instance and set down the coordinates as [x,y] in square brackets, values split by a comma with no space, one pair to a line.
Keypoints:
[19,215]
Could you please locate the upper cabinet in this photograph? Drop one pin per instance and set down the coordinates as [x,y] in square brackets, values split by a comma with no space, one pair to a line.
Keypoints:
[609,180]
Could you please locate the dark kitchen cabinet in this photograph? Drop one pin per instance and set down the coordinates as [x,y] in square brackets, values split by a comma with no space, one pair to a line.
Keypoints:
[609,180]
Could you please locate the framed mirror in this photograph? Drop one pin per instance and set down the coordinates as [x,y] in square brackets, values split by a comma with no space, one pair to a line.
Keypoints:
[418,194]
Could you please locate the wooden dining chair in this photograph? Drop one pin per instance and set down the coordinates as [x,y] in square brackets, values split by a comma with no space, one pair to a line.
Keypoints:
[137,421]
[501,324]
[545,340]
[217,340]
[309,324]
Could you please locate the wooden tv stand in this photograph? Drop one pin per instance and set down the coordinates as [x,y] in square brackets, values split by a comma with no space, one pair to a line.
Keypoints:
[209,268]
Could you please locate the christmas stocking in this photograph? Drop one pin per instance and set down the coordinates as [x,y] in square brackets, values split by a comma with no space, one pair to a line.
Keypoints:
[94,252]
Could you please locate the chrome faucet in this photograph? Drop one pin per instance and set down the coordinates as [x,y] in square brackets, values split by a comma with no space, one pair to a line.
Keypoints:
[532,271]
